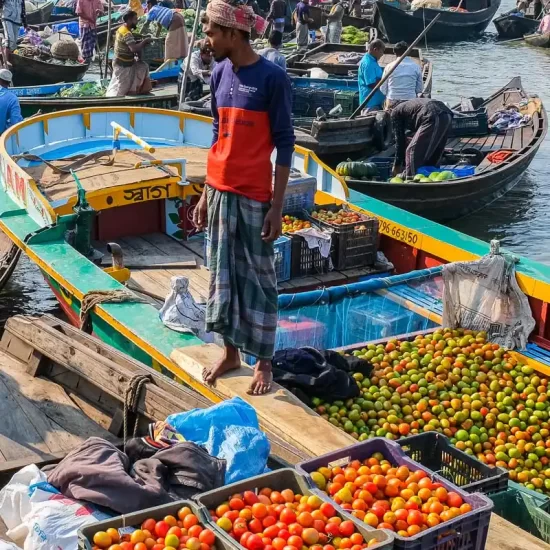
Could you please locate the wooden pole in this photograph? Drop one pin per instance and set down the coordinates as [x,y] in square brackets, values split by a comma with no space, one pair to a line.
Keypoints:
[108,45]
[189,52]
[387,75]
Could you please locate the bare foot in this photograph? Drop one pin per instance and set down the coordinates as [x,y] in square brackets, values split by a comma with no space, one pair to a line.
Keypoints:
[262,379]
[230,361]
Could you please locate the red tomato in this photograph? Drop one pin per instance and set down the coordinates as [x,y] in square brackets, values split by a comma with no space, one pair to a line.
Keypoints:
[240,528]
[254,542]
[250,498]
[255,526]
[332,529]
[288,516]
[271,531]
[284,534]
[208,537]
[415,517]
[161,529]
[346,528]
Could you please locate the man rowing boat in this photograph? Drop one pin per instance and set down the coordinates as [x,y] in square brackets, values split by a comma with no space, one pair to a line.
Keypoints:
[251,106]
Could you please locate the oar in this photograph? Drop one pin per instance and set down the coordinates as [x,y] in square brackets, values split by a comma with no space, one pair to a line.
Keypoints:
[108,45]
[189,52]
[388,74]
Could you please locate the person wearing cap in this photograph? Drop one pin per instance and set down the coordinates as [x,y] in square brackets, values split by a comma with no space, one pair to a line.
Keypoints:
[13,17]
[176,43]
[10,110]
[241,204]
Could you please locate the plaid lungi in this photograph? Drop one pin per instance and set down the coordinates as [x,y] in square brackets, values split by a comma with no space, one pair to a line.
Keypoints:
[242,303]
[87,42]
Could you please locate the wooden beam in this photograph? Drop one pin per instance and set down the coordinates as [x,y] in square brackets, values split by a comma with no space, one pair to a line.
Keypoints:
[110,370]
[280,410]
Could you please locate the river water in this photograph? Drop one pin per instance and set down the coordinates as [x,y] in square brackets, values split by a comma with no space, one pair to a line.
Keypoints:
[460,69]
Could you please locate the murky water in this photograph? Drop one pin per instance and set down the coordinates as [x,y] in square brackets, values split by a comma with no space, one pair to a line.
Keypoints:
[519,219]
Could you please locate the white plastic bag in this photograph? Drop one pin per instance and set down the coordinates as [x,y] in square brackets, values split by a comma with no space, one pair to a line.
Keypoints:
[38,517]
[484,295]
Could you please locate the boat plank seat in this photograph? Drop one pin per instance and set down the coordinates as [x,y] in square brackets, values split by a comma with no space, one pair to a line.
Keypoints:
[122,172]
[537,353]
[154,281]
[40,420]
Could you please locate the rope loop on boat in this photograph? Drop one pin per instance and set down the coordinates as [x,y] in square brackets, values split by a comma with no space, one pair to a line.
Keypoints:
[96,297]
[131,400]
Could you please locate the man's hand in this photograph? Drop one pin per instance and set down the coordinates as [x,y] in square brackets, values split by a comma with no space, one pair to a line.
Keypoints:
[200,214]
[147,41]
[397,170]
[273,224]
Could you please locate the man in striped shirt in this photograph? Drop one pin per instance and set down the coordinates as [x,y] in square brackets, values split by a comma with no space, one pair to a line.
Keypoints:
[176,44]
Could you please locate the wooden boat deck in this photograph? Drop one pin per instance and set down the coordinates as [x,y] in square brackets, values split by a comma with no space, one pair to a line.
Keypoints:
[40,420]
[95,176]
[155,258]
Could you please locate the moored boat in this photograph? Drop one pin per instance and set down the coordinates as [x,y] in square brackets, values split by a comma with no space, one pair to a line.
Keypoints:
[337,136]
[512,25]
[538,40]
[41,14]
[29,71]
[447,200]
[397,24]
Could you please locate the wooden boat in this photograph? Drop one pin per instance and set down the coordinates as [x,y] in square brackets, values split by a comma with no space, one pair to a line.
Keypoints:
[443,201]
[162,97]
[510,25]
[539,40]
[145,209]
[41,14]
[397,24]
[27,71]
[333,137]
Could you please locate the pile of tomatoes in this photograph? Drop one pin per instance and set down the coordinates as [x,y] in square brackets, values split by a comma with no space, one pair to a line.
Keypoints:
[396,498]
[171,533]
[283,520]
[291,224]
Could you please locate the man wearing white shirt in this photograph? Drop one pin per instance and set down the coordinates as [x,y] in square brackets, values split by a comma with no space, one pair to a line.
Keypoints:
[405,82]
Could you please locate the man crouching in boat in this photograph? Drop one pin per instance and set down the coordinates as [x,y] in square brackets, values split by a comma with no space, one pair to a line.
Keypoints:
[130,75]
[251,106]
[430,120]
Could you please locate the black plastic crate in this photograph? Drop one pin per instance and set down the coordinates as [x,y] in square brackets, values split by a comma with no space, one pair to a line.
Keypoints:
[285,478]
[306,261]
[472,123]
[435,451]
[353,244]
[384,165]
[348,100]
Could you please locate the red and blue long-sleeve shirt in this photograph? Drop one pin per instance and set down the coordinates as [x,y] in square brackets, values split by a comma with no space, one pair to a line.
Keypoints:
[252,111]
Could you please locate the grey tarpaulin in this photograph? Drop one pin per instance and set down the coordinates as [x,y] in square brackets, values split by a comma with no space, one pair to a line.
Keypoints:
[484,295]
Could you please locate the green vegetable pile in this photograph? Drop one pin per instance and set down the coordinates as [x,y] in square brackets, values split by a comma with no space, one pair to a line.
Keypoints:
[352,35]
[445,175]
[83,89]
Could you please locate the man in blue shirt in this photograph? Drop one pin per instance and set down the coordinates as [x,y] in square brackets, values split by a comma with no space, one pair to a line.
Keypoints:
[370,74]
[10,111]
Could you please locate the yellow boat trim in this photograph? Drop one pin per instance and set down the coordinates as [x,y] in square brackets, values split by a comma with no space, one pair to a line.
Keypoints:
[110,197]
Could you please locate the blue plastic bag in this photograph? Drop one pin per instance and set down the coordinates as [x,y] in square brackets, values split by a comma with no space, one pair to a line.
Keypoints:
[228,430]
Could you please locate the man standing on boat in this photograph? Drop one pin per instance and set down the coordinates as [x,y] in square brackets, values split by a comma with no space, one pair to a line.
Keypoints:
[370,74]
[251,106]
[430,120]
[10,110]
[88,11]
[334,25]
[277,15]
[176,43]
[130,75]
[302,23]
[13,18]
[406,80]
[355,8]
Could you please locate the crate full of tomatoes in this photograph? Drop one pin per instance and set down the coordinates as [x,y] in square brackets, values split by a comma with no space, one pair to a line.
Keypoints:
[279,511]
[375,483]
[175,526]
[354,237]
[305,261]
